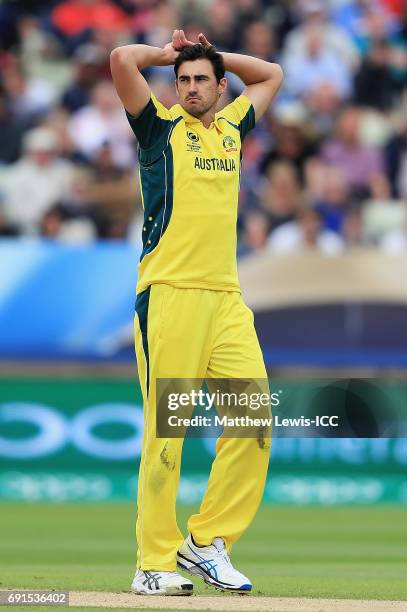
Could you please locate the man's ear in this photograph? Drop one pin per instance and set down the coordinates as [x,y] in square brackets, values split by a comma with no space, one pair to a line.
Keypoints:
[176,86]
[223,83]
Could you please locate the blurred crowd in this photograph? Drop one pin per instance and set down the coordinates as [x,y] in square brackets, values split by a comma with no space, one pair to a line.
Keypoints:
[325,169]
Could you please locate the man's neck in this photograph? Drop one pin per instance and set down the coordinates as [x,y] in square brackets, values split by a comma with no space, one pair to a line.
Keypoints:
[208,118]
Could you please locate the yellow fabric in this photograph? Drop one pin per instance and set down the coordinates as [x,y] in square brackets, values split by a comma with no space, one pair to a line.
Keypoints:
[198,169]
[162,111]
[195,333]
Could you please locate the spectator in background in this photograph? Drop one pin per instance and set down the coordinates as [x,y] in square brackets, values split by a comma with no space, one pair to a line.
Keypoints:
[143,16]
[38,47]
[105,41]
[34,183]
[314,65]
[364,20]
[57,122]
[222,25]
[293,141]
[249,10]
[396,160]
[315,17]
[106,191]
[374,82]
[280,195]
[381,213]
[258,40]
[255,233]
[375,26]
[349,16]
[103,120]
[30,99]
[314,178]
[323,104]
[8,25]
[346,151]
[399,42]
[334,200]
[282,15]
[55,225]
[115,228]
[11,133]
[380,26]
[305,233]
[51,223]
[87,68]
[163,21]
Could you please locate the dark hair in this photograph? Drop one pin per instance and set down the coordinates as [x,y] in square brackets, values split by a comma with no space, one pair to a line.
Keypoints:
[198,51]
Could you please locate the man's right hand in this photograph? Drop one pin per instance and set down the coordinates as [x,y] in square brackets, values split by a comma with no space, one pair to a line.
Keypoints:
[173,48]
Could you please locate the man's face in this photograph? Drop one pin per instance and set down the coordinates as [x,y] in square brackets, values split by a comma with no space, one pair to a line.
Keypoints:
[197,87]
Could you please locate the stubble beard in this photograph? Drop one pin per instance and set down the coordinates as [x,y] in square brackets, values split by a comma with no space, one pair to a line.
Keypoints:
[198,112]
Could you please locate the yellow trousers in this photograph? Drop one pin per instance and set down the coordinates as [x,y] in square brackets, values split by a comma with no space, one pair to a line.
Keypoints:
[194,333]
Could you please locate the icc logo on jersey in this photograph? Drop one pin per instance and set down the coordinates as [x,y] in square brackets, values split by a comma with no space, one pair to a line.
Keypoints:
[193,143]
[192,136]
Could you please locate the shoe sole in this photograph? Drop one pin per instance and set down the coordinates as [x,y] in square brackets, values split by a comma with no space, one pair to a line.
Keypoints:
[186,589]
[194,570]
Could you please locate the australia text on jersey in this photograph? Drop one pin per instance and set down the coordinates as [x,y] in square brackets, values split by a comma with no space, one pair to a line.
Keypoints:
[215,163]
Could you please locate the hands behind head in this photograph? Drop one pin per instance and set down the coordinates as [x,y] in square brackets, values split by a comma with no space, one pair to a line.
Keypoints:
[204,41]
[179,42]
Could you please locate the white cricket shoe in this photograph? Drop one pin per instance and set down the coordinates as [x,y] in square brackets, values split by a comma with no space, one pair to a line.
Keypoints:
[150,582]
[212,563]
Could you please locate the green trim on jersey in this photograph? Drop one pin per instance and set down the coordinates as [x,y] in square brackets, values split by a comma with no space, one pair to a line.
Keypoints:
[142,303]
[157,185]
[230,123]
[247,123]
[149,127]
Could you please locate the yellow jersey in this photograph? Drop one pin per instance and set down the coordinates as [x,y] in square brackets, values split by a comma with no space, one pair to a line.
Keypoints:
[189,180]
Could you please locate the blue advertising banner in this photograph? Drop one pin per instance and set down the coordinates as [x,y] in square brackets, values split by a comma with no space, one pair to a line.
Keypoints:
[66,301]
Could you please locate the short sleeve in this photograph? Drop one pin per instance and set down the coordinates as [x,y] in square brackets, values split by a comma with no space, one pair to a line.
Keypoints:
[240,112]
[152,124]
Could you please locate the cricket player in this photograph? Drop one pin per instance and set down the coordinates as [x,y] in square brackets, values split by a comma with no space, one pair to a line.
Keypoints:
[191,321]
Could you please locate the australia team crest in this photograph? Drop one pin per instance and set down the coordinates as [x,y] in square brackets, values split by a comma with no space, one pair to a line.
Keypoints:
[229,144]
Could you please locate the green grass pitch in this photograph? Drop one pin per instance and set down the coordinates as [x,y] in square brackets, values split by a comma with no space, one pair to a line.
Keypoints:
[288,551]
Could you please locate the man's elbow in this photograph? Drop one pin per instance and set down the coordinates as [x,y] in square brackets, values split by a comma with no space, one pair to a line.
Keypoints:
[276,74]
[120,56]
[116,58]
